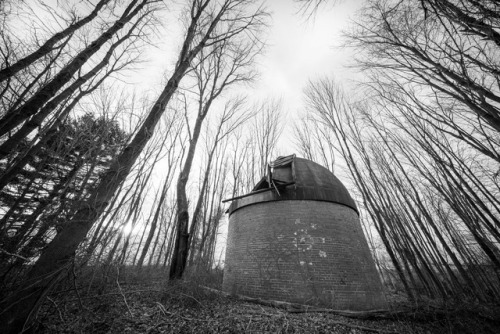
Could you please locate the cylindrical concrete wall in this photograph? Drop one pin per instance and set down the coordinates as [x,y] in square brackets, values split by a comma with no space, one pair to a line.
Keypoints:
[303,251]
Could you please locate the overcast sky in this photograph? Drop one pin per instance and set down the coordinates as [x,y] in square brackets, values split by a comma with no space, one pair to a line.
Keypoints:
[298,49]
[301,49]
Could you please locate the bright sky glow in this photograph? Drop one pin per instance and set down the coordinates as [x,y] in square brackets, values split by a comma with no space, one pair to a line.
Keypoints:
[301,50]
[129,228]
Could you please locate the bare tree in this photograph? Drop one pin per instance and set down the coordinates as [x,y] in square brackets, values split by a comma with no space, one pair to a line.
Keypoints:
[401,166]
[38,119]
[315,142]
[228,60]
[173,159]
[233,117]
[32,106]
[432,49]
[267,126]
[203,30]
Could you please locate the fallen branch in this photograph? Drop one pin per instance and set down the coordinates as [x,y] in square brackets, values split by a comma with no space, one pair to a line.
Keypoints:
[113,294]
[165,312]
[121,292]
[364,328]
[76,287]
[57,308]
[301,308]
[196,300]
[14,255]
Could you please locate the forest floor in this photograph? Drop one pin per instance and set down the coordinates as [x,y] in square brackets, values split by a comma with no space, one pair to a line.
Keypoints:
[187,307]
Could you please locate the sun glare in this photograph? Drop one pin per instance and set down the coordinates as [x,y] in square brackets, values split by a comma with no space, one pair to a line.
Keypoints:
[127,229]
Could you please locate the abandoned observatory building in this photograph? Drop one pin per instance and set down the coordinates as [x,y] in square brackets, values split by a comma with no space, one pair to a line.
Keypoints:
[297,237]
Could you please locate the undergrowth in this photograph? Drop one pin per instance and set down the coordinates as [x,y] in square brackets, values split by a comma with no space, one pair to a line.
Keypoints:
[124,300]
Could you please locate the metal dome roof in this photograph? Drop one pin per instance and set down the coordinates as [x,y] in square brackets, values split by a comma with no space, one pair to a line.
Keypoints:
[295,178]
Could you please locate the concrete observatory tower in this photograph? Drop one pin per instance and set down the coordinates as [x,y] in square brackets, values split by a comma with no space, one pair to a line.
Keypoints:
[297,237]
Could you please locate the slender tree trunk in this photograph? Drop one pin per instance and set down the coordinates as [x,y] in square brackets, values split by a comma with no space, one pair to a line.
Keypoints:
[181,246]
[154,222]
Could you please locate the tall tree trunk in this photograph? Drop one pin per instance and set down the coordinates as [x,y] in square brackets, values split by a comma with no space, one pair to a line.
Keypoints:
[181,247]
